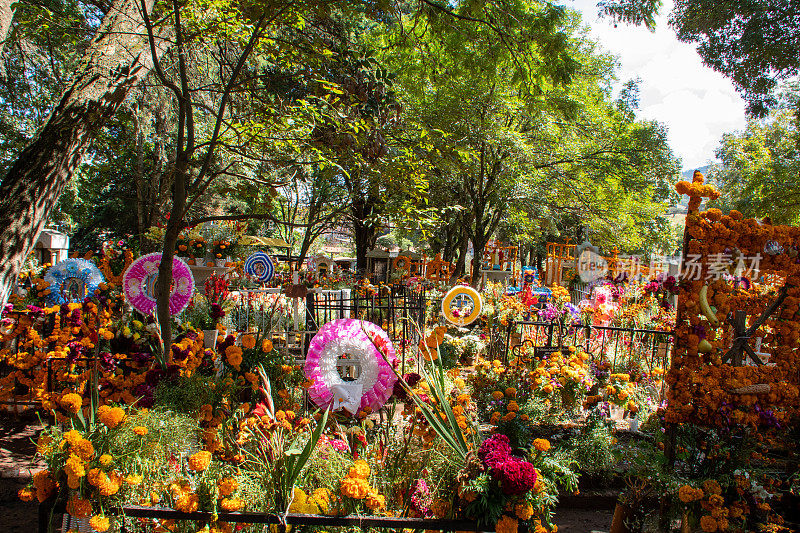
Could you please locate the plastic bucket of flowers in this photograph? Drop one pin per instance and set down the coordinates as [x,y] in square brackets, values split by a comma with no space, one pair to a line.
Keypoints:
[210,338]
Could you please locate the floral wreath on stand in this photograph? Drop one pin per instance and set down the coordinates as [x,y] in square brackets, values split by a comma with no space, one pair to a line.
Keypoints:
[462,305]
[139,284]
[72,280]
[369,346]
[260,267]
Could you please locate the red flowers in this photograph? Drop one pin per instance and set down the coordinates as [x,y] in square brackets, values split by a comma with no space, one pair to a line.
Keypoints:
[495,451]
[515,475]
[216,289]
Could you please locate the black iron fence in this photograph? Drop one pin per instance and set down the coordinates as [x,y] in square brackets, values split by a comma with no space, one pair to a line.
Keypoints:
[617,344]
[147,519]
[397,309]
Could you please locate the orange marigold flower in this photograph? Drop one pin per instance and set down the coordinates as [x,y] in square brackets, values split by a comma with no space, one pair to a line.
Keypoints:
[524,511]
[140,430]
[45,485]
[74,467]
[187,503]
[231,504]
[375,501]
[355,488]
[71,402]
[83,449]
[200,461]
[541,445]
[708,524]
[248,342]
[78,507]
[26,494]
[227,486]
[506,525]
[110,416]
[689,494]
[360,469]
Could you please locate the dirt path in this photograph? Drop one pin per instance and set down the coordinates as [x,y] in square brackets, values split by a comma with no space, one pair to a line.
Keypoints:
[571,520]
[16,451]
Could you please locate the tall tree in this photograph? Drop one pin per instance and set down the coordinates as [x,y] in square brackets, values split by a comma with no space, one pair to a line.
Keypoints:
[756,43]
[758,168]
[117,58]
[311,203]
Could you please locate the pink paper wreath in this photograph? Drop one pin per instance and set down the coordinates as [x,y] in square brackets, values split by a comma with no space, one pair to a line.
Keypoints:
[139,284]
[345,336]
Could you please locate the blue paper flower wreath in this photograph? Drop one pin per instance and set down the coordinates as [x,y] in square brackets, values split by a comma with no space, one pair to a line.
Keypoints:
[72,280]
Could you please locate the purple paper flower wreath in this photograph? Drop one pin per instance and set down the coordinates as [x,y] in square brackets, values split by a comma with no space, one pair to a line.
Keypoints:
[140,280]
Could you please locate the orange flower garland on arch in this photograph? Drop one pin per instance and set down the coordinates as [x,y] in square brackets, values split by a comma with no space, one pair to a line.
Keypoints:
[703,388]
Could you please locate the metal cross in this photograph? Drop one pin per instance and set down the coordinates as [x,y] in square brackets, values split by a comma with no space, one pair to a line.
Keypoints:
[742,333]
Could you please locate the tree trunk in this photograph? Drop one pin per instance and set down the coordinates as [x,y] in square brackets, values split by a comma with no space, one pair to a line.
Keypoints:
[463,247]
[478,244]
[174,226]
[152,184]
[361,235]
[308,240]
[364,232]
[116,60]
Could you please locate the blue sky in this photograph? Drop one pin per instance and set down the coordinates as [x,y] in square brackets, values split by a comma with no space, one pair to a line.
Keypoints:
[696,103]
